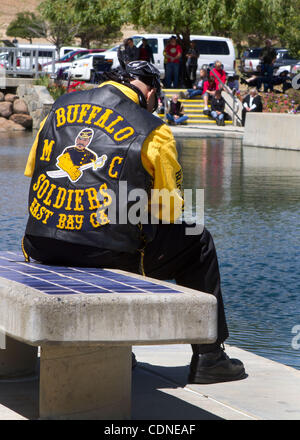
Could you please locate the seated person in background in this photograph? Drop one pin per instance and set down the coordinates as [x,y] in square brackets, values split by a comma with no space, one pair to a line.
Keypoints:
[220,73]
[255,80]
[175,111]
[283,79]
[209,90]
[217,108]
[161,103]
[233,84]
[197,88]
[251,103]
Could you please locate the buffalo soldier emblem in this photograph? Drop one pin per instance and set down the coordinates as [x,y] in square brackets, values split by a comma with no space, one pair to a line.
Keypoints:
[77,158]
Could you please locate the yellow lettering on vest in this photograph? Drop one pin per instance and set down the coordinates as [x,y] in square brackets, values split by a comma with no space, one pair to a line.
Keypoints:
[47,150]
[83,113]
[78,200]
[47,200]
[38,211]
[41,178]
[79,221]
[107,198]
[60,116]
[93,220]
[41,213]
[93,114]
[126,132]
[102,217]
[101,121]
[61,221]
[92,196]
[48,214]
[34,207]
[110,128]
[70,222]
[42,189]
[70,195]
[112,174]
[60,198]
[72,113]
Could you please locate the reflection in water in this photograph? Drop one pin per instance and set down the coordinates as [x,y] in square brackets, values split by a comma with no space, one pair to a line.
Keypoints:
[252,208]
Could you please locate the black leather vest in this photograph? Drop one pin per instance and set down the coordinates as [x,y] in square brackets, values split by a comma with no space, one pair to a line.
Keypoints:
[90,145]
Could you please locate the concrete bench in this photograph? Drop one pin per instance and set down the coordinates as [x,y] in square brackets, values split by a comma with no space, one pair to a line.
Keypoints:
[86,320]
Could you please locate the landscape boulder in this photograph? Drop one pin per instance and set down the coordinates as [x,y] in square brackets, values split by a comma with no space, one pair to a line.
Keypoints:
[8,125]
[20,106]
[6,109]
[22,119]
[10,97]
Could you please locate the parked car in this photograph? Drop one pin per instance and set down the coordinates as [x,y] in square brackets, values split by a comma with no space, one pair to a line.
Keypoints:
[251,59]
[68,59]
[89,67]
[211,49]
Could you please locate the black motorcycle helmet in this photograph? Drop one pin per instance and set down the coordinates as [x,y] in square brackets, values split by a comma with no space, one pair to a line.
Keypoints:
[141,70]
[145,72]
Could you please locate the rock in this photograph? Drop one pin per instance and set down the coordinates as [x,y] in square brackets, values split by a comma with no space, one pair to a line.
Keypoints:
[22,119]
[6,109]
[1,96]
[7,125]
[10,97]
[20,106]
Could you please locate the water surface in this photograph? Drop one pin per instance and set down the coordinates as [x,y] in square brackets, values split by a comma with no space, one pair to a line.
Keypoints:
[252,208]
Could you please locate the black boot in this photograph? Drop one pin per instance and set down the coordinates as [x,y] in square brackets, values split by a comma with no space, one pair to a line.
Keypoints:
[214,367]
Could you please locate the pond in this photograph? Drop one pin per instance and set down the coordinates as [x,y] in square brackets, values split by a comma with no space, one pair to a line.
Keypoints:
[252,209]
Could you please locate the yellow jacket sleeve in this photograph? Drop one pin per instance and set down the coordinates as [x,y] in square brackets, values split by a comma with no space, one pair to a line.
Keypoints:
[32,155]
[160,160]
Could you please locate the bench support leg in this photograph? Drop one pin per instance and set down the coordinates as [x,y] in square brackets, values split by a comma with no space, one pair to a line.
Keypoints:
[85,382]
[17,358]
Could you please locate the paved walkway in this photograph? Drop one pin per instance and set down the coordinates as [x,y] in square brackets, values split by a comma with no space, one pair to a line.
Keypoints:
[160,392]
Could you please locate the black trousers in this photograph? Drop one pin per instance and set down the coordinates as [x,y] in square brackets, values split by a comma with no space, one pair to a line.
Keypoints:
[189,259]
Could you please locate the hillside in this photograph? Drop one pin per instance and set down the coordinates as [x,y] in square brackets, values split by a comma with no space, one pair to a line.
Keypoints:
[10,8]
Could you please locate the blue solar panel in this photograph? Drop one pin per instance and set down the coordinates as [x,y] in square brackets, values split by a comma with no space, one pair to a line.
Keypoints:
[59,280]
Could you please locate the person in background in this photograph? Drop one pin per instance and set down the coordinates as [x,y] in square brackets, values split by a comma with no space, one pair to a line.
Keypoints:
[175,111]
[268,56]
[173,53]
[192,61]
[209,90]
[217,108]
[127,52]
[220,73]
[122,53]
[145,52]
[251,103]
[233,84]
[197,88]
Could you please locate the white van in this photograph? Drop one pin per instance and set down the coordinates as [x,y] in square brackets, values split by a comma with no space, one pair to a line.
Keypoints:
[29,53]
[210,48]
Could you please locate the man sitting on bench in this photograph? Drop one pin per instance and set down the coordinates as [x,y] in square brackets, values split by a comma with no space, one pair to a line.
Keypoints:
[69,222]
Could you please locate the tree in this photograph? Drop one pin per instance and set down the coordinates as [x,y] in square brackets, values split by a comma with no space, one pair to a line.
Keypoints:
[28,26]
[88,20]
[61,26]
[98,20]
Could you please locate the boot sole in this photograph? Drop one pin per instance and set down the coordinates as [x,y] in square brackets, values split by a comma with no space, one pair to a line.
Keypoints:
[209,379]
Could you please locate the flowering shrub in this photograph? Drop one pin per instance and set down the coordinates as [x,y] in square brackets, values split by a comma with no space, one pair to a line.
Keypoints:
[278,103]
[59,87]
